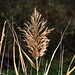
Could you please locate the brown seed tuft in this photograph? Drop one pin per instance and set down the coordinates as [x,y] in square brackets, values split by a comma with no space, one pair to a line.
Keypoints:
[36,35]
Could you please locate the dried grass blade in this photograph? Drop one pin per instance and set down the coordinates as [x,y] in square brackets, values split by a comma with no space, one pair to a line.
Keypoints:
[17,42]
[46,66]
[71,70]
[57,48]
[8,63]
[22,62]
[31,62]
[3,35]
[2,73]
[68,72]
[3,51]
[16,71]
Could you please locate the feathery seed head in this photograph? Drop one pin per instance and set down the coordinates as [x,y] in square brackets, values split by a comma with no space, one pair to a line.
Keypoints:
[36,35]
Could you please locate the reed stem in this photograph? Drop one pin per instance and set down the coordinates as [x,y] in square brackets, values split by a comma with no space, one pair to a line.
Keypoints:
[37,65]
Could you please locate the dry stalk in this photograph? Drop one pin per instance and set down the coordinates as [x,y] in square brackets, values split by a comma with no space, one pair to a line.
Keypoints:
[31,71]
[8,63]
[60,72]
[46,66]
[69,71]
[40,62]
[17,42]
[2,73]
[15,67]
[19,56]
[3,51]
[3,35]
[36,36]
[19,64]
[57,48]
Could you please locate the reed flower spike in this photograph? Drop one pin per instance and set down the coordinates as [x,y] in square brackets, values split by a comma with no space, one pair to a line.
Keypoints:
[35,34]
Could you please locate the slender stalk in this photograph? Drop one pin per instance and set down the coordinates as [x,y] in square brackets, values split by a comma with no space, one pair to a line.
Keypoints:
[17,42]
[37,65]
[31,71]
[2,60]
[69,71]
[3,35]
[15,67]
[57,48]
[8,63]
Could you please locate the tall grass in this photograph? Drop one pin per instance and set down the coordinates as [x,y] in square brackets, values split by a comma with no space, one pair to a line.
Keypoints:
[1,42]
[69,71]
[35,35]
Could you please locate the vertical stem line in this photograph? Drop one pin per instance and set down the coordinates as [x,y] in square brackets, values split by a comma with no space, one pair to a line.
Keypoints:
[37,65]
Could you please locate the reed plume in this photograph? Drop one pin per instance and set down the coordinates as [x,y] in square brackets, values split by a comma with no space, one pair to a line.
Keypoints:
[36,35]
